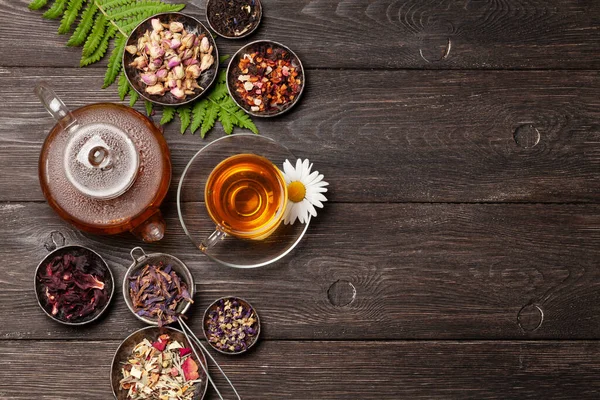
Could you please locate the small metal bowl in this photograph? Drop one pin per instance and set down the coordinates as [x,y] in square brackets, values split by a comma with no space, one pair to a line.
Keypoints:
[233,71]
[213,306]
[155,258]
[76,251]
[191,25]
[151,333]
[259,8]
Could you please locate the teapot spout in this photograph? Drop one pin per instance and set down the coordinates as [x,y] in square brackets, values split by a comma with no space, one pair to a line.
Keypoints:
[54,105]
[152,229]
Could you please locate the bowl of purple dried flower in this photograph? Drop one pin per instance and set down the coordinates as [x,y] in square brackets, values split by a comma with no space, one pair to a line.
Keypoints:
[231,325]
[157,287]
[74,285]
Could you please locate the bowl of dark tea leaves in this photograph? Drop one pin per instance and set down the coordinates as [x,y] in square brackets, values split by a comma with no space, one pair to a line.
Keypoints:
[265,78]
[233,19]
[74,285]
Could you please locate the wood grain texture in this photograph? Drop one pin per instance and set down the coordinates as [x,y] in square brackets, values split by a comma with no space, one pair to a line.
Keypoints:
[420,271]
[333,370]
[443,34]
[392,136]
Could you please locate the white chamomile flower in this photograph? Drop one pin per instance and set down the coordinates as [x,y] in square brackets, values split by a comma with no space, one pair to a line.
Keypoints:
[305,191]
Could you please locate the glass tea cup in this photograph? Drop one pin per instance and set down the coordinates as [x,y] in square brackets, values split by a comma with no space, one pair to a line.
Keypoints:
[205,196]
[245,196]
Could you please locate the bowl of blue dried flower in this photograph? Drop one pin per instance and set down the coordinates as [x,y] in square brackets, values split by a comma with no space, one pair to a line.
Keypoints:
[157,287]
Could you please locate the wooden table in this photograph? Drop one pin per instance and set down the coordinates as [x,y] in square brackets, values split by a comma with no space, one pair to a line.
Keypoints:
[458,256]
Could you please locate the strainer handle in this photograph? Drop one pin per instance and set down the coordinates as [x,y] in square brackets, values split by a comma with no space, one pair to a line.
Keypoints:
[140,258]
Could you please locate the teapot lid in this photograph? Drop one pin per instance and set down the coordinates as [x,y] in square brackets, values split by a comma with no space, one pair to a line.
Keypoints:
[100,160]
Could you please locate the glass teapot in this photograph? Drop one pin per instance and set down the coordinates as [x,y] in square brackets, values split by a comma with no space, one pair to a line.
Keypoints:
[105,168]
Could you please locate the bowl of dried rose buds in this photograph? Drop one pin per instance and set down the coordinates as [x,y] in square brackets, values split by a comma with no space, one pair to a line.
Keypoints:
[171,59]
[265,78]
[74,285]
[231,325]
[158,363]
[157,287]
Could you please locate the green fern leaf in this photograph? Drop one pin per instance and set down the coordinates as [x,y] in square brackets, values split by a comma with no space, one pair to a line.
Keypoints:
[133,97]
[117,3]
[141,7]
[123,86]
[101,49]
[198,113]
[167,115]
[128,24]
[96,36]
[85,24]
[115,62]
[212,112]
[244,121]
[56,10]
[226,120]
[37,4]
[149,106]
[218,92]
[184,113]
[224,58]
[70,15]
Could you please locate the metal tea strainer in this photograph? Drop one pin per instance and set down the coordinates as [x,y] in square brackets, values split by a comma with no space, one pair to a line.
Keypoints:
[183,271]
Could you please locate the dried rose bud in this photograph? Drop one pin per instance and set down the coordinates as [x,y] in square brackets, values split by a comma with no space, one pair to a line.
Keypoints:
[131,49]
[162,73]
[156,25]
[155,64]
[173,62]
[178,72]
[166,44]
[158,89]
[149,78]
[168,34]
[171,83]
[178,92]
[155,37]
[175,43]
[190,61]
[187,54]
[193,71]
[204,45]
[156,51]
[206,62]
[176,27]
[188,40]
[139,62]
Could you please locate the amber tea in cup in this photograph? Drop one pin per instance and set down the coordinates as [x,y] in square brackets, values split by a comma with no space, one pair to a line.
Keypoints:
[245,196]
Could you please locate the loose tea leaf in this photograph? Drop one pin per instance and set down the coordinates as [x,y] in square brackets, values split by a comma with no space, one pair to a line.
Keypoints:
[74,287]
[233,18]
[156,291]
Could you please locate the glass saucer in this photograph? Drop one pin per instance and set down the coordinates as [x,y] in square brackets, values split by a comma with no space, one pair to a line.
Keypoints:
[194,218]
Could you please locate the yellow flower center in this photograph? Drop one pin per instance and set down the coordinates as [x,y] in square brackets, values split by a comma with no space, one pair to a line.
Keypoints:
[296,191]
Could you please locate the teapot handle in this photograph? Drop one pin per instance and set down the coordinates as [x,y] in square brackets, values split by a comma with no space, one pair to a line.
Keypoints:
[54,105]
[152,229]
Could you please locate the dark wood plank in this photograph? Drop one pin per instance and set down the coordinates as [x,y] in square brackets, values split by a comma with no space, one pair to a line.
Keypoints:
[392,136]
[426,271]
[381,34]
[333,370]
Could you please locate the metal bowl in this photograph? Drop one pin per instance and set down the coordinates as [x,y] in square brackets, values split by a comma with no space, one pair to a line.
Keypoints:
[232,71]
[246,34]
[154,258]
[213,306]
[151,333]
[77,251]
[191,25]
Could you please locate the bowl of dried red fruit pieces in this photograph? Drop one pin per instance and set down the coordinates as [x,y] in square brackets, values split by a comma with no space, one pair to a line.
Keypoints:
[73,284]
[265,78]
[158,363]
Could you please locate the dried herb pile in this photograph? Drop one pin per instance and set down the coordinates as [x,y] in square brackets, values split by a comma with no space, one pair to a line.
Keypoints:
[231,326]
[73,287]
[233,18]
[156,291]
[161,370]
